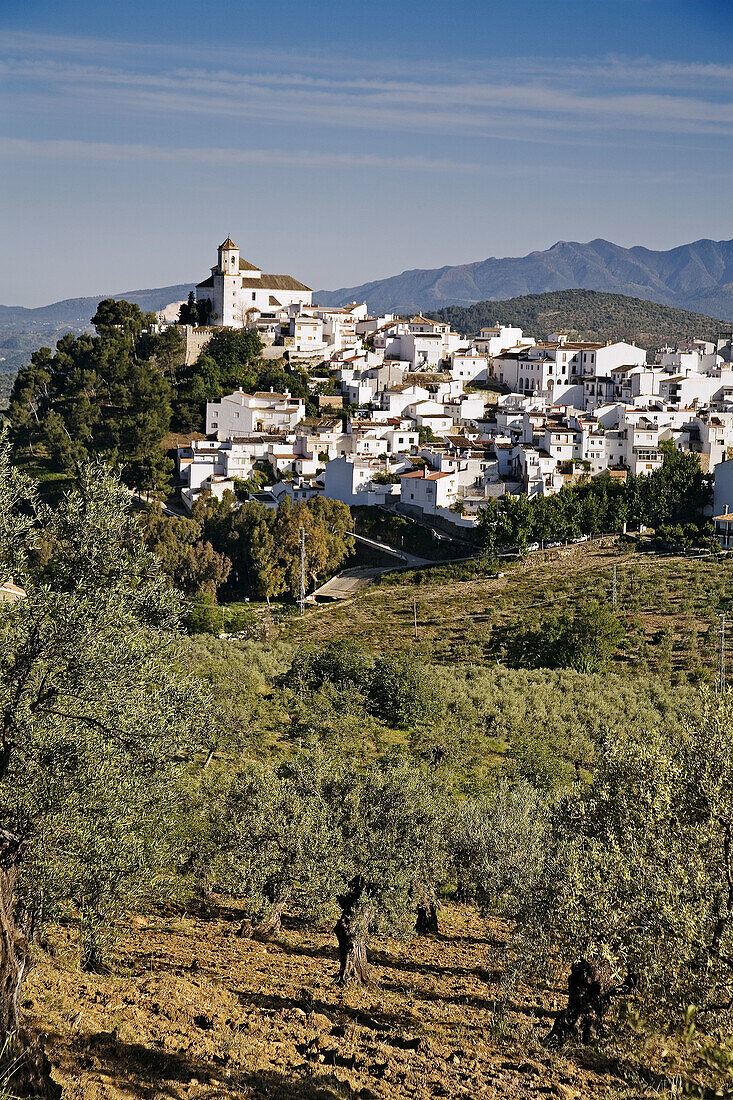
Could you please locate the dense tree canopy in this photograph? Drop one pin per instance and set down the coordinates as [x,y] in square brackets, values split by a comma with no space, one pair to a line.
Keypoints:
[263,545]
[638,868]
[677,493]
[585,638]
[98,396]
[191,564]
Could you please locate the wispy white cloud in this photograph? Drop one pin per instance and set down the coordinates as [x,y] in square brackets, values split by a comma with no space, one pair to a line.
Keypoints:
[581,100]
[132,153]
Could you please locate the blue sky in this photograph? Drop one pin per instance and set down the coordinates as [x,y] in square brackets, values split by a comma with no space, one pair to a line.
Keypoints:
[344,141]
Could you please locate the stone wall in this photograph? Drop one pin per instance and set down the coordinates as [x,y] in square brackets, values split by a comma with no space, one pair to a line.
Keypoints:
[195,340]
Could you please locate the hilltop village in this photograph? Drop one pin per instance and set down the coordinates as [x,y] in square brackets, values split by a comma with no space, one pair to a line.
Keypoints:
[420,419]
[346,701]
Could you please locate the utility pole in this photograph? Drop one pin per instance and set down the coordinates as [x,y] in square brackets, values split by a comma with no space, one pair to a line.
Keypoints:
[720,679]
[614,591]
[414,613]
[301,598]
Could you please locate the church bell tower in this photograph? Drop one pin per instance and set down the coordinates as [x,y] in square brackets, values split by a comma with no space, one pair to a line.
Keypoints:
[228,258]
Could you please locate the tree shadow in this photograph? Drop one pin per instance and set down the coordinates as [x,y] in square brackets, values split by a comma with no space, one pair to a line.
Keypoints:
[372,1019]
[470,1000]
[149,1073]
[410,966]
[488,941]
[325,951]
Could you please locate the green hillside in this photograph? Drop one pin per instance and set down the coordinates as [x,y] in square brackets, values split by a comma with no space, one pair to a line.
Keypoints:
[587,315]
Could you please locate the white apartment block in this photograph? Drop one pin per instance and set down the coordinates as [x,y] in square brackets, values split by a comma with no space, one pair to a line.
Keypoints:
[241,414]
[564,371]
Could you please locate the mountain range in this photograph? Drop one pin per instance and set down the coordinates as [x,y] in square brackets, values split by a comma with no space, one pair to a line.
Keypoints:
[697,276]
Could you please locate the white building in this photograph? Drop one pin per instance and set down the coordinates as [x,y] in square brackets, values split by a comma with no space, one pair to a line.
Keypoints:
[469,366]
[238,291]
[429,490]
[723,503]
[351,480]
[240,413]
[498,338]
[567,372]
[394,401]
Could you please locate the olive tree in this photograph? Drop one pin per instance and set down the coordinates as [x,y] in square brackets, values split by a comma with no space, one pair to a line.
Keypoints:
[497,844]
[93,714]
[394,857]
[318,833]
[636,887]
[268,838]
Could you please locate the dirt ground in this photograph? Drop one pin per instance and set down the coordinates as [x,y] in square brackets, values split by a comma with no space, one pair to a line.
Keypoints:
[193,1010]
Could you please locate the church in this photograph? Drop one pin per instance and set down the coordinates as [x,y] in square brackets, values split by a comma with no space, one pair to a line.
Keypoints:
[239,292]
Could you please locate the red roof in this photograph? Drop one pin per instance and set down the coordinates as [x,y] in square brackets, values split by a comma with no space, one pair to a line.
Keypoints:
[428,477]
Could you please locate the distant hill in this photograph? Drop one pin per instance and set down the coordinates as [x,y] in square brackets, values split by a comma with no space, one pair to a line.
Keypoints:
[77,311]
[586,315]
[696,276]
[23,330]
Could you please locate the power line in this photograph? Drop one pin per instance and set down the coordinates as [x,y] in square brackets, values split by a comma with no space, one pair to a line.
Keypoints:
[720,679]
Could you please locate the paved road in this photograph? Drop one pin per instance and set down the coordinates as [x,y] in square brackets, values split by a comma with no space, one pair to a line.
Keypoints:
[350,581]
[408,559]
[345,584]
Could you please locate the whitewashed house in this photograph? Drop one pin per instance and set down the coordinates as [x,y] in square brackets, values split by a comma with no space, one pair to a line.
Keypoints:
[351,480]
[240,414]
[429,490]
[494,340]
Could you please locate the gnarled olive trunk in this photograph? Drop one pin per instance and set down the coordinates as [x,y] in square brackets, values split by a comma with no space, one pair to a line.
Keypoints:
[14,954]
[32,1073]
[427,907]
[269,926]
[590,992]
[427,919]
[352,929]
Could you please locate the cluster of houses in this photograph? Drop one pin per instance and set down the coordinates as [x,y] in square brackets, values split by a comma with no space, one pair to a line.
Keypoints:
[415,417]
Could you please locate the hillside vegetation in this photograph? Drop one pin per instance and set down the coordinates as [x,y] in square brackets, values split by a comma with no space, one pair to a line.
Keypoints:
[291,865]
[586,315]
[23,330]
